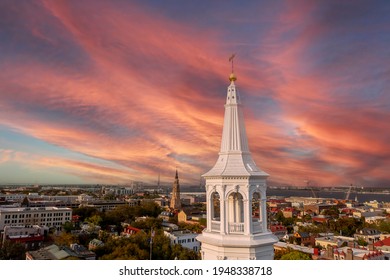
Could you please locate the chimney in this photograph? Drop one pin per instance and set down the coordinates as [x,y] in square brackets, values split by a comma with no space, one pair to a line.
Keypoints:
[315,251]
[329,252]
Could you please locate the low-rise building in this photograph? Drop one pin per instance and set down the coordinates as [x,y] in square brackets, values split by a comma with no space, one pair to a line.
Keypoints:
[183,216]
[348,253]
[363,213]
[82,253]
[334,241]
[375,219]
[52,217]
[169,226]
[289,212]
[282,246]
[185,238]
[95,243]
[105,205]
[369,235]
[129,230]
[317,208]
[166,215]
[373,204]
[31,236]
[383,245]
[52,252]
[278,230]
[302,238]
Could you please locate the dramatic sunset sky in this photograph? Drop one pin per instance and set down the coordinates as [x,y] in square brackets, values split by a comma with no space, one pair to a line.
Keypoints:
[113,91]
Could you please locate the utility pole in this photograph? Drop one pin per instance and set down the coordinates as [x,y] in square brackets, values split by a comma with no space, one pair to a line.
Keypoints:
[151,242]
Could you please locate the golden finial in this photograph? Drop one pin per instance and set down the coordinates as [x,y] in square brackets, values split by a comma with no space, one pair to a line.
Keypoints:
[232,77]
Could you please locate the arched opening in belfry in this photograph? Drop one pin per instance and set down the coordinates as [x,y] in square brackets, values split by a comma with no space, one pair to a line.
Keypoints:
[236,213]
[215,206]
[215,209]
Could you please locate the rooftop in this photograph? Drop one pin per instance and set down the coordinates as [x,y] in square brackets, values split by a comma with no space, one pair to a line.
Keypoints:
[23,209]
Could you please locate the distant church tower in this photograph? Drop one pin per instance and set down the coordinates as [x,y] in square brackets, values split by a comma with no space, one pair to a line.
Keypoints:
[236,195]
[175,198]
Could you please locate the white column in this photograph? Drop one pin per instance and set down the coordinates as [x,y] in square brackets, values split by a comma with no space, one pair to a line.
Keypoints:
[247,217]
[210,210]
[230,210]
[263,207]
[222,210]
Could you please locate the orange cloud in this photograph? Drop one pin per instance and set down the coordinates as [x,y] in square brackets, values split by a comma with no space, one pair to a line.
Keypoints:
[120,83]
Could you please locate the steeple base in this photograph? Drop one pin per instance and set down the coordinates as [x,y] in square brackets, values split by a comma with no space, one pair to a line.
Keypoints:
[230,247]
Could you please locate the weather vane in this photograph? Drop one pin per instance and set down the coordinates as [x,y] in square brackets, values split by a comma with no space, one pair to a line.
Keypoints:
[231,58]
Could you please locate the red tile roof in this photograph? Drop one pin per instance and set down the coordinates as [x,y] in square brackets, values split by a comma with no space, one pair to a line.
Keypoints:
[384,242]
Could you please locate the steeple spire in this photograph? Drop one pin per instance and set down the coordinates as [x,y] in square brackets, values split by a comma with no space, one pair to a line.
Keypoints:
[175,199]
[234,156]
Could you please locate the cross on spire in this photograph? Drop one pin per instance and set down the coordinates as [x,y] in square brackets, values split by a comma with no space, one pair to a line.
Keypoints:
[231,58]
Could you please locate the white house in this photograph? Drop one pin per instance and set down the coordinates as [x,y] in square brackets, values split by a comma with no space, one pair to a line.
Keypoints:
[186,239]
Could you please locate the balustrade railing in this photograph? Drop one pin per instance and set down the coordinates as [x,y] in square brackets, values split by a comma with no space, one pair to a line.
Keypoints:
[236,227]
[215,226]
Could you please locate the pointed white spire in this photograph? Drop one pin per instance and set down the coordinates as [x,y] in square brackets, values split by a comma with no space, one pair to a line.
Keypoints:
[234,156]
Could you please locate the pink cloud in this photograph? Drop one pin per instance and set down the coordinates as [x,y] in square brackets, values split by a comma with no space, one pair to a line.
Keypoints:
[148,96]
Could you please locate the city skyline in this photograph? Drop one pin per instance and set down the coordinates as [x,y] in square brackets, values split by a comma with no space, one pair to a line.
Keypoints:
[110,92]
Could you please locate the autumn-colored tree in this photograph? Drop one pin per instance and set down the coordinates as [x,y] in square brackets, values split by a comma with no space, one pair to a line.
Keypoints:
[65,239]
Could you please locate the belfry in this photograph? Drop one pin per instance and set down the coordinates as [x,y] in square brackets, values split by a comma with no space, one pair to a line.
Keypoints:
[236,195]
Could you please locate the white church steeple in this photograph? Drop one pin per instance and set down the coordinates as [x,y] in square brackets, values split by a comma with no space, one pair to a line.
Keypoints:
[236,194]
[234,156]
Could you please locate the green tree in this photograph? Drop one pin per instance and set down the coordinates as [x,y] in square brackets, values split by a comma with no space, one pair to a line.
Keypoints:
[362,242]
[181,253]
[137,247]
[68,226]
[332,212]
[95,219]
[194,227]
[148,208]
[384,226]
[85,212]
[148,224]
[296,255]
[12,251]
